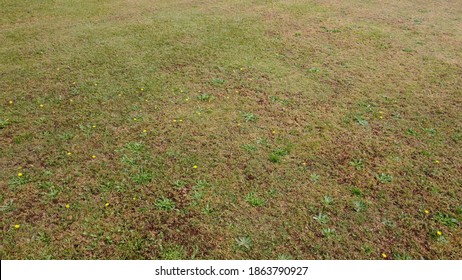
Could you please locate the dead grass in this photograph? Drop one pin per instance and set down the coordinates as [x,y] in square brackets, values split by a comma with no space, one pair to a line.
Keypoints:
[278,105]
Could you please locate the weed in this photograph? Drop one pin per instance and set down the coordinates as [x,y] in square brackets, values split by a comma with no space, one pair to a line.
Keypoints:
[4,123]
[314,177]
[244,242]
[359,206]
[204,97]
[446,219]
[253,200]
[321,218]
[356,191]
[164,204]
[218,81]
[179,184]
[360,120]
[357,163]
[284,257]
[328,232]
[249,117]
[143,177]
[173,253]
[135,147]
[314,70]
[384,178]
[327,200]
[249,147]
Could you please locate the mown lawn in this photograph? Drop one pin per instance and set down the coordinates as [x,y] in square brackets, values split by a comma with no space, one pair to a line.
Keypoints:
[230,129]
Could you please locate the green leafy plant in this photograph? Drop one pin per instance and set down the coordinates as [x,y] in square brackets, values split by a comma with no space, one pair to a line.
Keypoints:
[164,204]
[244,242]
[249,117]
[359,206]
[253,200]
[384,178]
[357,163]
[321,218]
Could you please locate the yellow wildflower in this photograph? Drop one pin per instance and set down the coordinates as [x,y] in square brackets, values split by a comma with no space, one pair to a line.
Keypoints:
[195,166]
[19,174]
[107,204]
[93,156]
[17,226]
[426,211]
[439,232]
[68,206]
[384,255]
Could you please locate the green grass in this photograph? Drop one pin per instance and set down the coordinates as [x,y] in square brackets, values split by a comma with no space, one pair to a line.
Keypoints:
[230,129]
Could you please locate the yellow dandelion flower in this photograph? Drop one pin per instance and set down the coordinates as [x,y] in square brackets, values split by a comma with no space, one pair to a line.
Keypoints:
[11,102]
[93,156]
[381,117]
[93,126]
[199,113]
[107,204]
[134,119]
[180,120]
[195,166]
[141,89]
[19,174]
[274,131]
[380,112]
[437,161]
[174,120]
[68,206]
[187,99]
[120,94]
[68,153]
[17,226]
[41,105]
[144,131]
[96,84]
[242,69]
[384,255]
[71,100]
[439,233]
[426,211]
[134,198]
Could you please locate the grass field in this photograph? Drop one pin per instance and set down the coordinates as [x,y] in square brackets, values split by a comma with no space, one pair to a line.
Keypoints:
[231,129]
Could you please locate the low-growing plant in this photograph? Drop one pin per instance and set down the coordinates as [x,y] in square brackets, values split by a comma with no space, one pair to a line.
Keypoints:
[384,178]
[164,204]
[359,206]
[253,200]
[244,242]
[357,163]
[321,218]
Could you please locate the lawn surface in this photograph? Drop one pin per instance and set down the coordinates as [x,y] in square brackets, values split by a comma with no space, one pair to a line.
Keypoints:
[230,129]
